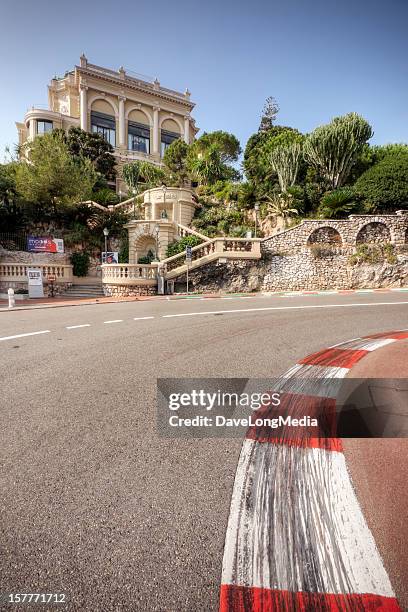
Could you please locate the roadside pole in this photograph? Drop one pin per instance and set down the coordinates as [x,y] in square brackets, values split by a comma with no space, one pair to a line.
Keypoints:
[189,257]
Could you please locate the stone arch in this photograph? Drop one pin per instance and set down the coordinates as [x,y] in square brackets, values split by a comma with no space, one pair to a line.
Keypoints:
[170,124]
[140,115]
[103,107]
[373,233]
[325,235]
[144,244]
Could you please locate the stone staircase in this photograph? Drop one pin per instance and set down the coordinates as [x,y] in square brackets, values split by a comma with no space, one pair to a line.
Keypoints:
[217,249]
[84,291]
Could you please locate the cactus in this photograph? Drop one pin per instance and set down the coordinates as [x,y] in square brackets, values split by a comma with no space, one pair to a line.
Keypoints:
[333,149]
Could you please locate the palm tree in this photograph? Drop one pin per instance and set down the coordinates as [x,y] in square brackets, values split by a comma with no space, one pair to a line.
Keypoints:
[280,207]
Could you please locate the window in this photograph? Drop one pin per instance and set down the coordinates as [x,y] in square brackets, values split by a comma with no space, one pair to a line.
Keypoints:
[105,126]
[138,137]
[166,139]
[44,126]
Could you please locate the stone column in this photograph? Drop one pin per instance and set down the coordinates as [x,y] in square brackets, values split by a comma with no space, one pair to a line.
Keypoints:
[83,105]
[122,130]
[32,129]
[187,129]
[156,149]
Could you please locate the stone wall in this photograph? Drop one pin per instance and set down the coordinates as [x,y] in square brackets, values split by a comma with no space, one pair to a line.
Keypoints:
[129,290]
[298,272]
[345,233]
[26,257]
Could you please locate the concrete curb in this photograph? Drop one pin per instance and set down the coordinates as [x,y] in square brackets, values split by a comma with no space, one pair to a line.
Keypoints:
[296,537]
[197,296]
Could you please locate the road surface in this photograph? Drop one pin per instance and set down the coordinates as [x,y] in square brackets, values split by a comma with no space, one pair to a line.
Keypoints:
[95,504]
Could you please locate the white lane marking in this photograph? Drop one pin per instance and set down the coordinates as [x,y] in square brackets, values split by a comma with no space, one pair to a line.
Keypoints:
[78,326]
[142,318]
[44,331]
[211,312]
[115,321]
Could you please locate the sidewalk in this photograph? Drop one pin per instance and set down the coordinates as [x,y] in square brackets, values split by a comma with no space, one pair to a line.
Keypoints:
[61,302]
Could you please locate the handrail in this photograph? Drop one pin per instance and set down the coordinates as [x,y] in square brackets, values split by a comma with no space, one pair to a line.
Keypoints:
[189,230]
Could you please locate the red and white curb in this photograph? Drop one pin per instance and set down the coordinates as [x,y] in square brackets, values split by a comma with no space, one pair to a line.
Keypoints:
[297,539]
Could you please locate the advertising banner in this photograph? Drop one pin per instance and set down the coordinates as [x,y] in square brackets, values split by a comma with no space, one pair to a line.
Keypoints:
[45,244]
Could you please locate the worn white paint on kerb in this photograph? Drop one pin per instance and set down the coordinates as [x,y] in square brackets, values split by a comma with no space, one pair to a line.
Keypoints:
[296,525]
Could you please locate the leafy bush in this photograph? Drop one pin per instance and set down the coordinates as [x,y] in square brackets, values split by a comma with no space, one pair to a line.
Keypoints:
[373,254]
[178,246]
[146,259]
[385,185]
[21,291]
[124,249]
[338,203]
[80,262]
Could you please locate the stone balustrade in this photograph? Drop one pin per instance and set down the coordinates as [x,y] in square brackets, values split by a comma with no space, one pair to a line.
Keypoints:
[17,272]
[129,274]
[184,231]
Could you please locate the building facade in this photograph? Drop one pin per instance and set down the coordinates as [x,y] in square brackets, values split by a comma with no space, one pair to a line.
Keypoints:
[139,118]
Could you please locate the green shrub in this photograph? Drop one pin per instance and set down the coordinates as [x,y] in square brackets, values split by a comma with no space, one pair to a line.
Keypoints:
[146,259]
[80,262]
[124,249]
[179,246]
[373,254]
[337,204]
[385,185]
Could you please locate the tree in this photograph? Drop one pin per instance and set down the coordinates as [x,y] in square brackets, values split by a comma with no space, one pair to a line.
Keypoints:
[175,160]
[50,176]
[385,185]
[269,112]
[226,144]
[141,175]
[92,146]
[11,212]
[210,158]
[7,183]
[333,149]
[256,162]
[285,162]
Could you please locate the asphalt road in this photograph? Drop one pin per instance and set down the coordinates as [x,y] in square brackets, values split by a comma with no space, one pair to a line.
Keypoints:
[95,504]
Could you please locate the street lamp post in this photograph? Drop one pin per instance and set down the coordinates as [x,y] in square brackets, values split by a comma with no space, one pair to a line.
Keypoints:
[256,207]
[106,234]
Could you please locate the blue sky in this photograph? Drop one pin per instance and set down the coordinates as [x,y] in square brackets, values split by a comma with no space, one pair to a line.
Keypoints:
[319,58]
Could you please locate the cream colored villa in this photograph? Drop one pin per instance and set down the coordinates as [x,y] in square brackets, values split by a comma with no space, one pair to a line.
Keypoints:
[138,117]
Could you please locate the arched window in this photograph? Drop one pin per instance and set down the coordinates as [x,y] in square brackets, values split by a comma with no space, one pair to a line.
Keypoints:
[170,132]
[103,121]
